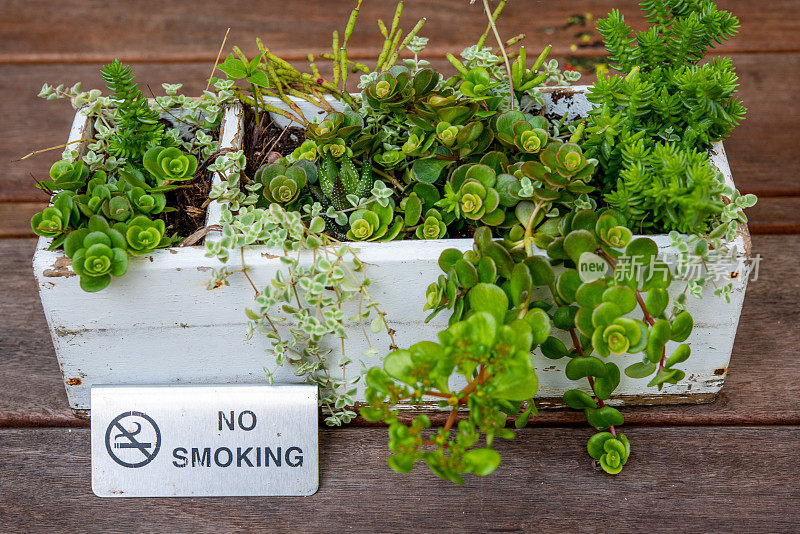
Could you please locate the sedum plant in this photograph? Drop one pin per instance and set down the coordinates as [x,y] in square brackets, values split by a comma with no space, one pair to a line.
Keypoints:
[120,186]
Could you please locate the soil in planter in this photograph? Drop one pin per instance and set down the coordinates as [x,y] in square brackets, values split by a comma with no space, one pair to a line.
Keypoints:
[266,142]
[189,201]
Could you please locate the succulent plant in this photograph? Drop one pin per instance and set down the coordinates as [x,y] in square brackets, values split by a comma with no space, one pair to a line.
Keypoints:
[395,87]
[418,143]
[446,133]
[307,150]
[55,220]
[337,182]
[66,176]
[335,125]
[97,252]
[611,451]
[433,227]
[374,223]
[169,164]
[470,194]
[143,235]
[284,183]
[148,203]
[477,84]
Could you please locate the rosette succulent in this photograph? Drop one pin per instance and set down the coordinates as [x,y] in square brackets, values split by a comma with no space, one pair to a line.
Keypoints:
[477,84]
[374,223]
[148,203]
[418,142]
[610,451]
[66,176]
[433,227]
[143,235]
[335,125]
[470,194]
[284,184]
[527,133]
[307,150]
[54,220]
[169,164]
[395,87]
[97,253]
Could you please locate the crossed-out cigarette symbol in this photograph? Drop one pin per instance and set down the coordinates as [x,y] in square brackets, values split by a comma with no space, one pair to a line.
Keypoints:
[120,438]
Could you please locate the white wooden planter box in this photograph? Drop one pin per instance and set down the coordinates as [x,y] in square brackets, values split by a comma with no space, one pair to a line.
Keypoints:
[160,325]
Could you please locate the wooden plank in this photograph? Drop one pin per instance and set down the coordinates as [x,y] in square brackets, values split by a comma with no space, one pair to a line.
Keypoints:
[709,479]
[33,32]
[761,387]
[15,217]
[762,151]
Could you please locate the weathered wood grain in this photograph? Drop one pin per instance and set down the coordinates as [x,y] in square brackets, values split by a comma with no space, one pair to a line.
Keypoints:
[761,387]
[762,151]
[677,479]
[80,31]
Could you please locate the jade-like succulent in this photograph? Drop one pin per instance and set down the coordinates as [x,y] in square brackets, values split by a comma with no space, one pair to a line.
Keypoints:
[433,227]
[567,160]
[284,184]
[390,158]
[374,223]
[143,235]
[54,220]
[148,203]
[97,252]
[66,176]
[418,143]
[611,451]
[395,87]
[477,84]
[169,164]
[446,133]
[527,133]
[335,125]
[470,194]
[307,150]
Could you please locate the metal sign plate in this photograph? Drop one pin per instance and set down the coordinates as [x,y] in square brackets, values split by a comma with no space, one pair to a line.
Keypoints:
[182,441]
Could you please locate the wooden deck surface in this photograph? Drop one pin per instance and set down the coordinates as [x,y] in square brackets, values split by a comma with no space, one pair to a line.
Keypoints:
[733,465]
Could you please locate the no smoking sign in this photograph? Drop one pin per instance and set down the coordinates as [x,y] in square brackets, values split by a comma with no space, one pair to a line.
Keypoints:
[160,441]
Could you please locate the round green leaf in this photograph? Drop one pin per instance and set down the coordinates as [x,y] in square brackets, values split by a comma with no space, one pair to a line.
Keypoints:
[554,348]
[489,298]
[680,355]
[604,386]
[658,337]
[579,400]
[542,273]
[539,322]
[482,461]
[577,242]
[622,296]
[466,272]
[567,285]
[584,366]
[656,301]
[641,369]
[682,326]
